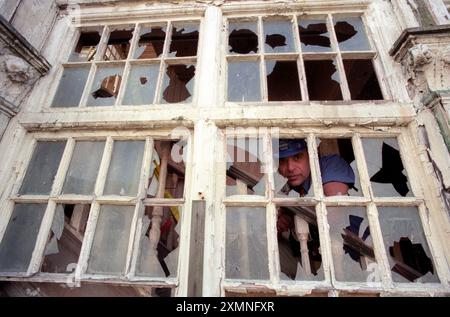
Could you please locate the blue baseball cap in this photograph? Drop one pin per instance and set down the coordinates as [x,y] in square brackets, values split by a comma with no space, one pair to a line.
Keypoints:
[290,147]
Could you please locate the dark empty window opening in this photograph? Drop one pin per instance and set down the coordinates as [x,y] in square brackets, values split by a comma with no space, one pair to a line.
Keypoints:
[243,41]
[151,43]
[323,80]
[344,31]
[362,79]
[176,89]
[86,47]
[275,40]
[184,41]
[118,45]
[282,81]
[314,36]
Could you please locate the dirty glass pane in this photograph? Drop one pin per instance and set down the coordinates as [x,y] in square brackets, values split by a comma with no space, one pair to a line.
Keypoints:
[158,256]
[299,244]
[42,168]
[323,80]
[278,36]
[245,167]
[362,79]
[246,244]
[141,85]
[351,245]
[151,42]
[292,172]
[351,35]
[174,153]
[406,246]
[387,174]
[243,38]
[243,81]
[83,168]
[178,85]
[337,164]
[282,81]
[106,86]
[20,237]
[65,238]
[118,44]
[71,87]
[314,36]
[125,168]
[110,245]
[86,47]
[184,41]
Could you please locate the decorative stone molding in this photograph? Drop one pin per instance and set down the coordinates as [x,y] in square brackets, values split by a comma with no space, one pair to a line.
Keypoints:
[446,56]
[17,69]
[7,108]
[419,55]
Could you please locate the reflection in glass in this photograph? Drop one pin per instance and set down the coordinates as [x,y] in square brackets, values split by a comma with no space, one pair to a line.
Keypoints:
[243,82]
[71,87]
[141,85]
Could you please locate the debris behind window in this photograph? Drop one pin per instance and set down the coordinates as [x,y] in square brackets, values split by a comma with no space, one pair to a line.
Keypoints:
[118,44]
[151,42]
[178,83]
[86,47]
[106,86]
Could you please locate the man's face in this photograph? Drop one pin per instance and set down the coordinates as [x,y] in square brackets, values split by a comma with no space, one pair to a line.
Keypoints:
[295,168]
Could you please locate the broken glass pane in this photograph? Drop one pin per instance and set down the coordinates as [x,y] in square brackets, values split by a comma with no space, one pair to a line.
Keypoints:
[314,36]
[178,83]
[184,41]
[86,47]
[282,81]
[299,244]
[158,256]
[83,168]
[20,237]
[125,168]
[323,80]
[43,167]
[118,44]
[406,246]
[110,245]
[351,245]
[386,171]
[141,85]
[292,174]
[245,168]
[278,36]
[169,155]
[362,79]
[243,38]
[65,238]
[151,42]
[246,244]
[106,86]
[71,87]
[337,164]
[243,82]
[351,35]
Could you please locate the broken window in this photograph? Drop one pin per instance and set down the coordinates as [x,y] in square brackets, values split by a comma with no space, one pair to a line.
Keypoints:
[118,45]
[351,35]
[178,83]
[351,245]
[151,42]
[283,81]
[246,244]
[243,81]
[159,242]
[387,174]
[323,80]
[278,36]
[362,79]
[141,85]
[184,41]
[245,170]
[125,168]
[299,244]
[71,87]
[110,245]
[65,238]
[19,240]
[43,167]
[86,47]
[83,168]
[243,38]
[106,86]
[314,36]
[406,246]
